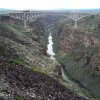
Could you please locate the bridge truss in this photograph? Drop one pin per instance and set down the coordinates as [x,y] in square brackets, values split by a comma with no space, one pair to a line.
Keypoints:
[25,16]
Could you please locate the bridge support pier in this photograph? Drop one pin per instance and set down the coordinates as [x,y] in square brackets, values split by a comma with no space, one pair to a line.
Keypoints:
[75,24]
[25,24]
[0,19]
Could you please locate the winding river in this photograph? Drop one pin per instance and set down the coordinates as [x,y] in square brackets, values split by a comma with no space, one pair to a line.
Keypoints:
[50,47]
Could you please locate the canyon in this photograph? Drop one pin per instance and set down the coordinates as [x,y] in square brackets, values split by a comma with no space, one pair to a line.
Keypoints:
[28,73]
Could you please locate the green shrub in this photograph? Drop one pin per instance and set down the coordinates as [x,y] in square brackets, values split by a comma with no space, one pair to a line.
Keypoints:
[18,98]
[16,61]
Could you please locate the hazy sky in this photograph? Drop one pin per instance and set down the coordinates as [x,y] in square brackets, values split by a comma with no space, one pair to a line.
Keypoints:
[49,4]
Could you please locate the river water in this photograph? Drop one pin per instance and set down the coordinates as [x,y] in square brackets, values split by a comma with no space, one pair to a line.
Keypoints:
[50,47]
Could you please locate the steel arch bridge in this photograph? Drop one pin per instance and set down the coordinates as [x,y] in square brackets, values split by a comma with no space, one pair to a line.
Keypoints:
[25,16]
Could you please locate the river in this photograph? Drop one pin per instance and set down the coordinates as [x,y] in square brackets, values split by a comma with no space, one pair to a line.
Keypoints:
[50,51]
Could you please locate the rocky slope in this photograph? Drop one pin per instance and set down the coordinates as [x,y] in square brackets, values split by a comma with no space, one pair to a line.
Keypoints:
[90,24]
[79,52]
[20,83]
[26,73]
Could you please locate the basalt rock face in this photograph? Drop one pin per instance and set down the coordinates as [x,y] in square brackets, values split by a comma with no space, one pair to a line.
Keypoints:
[26,73]
[81,57]
[11,20]
[69,37]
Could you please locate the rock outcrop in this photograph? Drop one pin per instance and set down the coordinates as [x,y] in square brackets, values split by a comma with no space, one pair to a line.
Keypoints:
[70,36]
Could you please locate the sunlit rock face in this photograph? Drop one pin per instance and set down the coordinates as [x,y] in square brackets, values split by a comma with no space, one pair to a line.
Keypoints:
[69,37]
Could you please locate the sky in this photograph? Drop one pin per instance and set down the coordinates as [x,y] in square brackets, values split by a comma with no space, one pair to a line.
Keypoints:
[49,4]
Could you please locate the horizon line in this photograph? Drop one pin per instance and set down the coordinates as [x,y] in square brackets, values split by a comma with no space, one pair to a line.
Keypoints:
[52,9]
